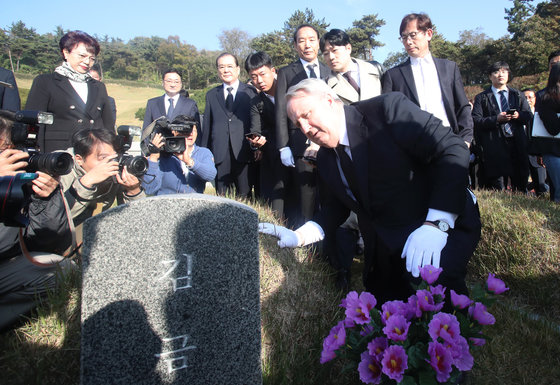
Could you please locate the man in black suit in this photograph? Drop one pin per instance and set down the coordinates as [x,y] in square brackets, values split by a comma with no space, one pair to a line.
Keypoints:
[435,85]
[172,103]
[500,114]
[271,171]
[226,121]
[9,97]
[405,176]
[292,144]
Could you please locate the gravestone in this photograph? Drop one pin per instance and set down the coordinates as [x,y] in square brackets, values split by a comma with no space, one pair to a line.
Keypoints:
[171,293]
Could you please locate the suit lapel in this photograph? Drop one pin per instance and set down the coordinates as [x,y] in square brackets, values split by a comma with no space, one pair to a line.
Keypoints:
[492,100]
[160,105]
[329,169]
[408,78]
[342,88]
[219,94]
[64,84]
[93,91]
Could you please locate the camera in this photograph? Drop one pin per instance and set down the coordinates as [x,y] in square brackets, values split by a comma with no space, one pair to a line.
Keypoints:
[24,132]
[15,194]
[136,165]
[172,144]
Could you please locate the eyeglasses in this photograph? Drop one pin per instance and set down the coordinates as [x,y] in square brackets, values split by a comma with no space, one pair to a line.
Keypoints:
[412,35]
[172,81]
[84,57]
[224,67]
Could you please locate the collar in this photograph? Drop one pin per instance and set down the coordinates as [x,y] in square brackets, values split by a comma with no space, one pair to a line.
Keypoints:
[428,59]
[175,98]
[306,63]
[234,85]
[343,131]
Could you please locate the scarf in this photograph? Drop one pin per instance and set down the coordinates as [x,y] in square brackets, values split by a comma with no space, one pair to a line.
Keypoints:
[67,71]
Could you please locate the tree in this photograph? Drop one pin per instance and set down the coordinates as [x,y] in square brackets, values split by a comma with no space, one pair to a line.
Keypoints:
[362,35]
[236,42]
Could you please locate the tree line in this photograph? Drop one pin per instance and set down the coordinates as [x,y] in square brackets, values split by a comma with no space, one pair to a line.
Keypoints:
[533,32]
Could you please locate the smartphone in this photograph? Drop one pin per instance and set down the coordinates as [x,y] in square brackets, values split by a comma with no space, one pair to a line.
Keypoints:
[511,111]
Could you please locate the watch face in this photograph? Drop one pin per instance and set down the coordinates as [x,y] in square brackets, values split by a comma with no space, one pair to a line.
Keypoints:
[443,226]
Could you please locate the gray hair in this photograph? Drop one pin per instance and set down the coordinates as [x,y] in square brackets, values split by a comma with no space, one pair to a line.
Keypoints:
[311,86]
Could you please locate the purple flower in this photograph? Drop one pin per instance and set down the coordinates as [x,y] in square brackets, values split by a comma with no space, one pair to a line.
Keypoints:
[335,339]
[377,346]
[430,274]
[444,326]
[394,307]
[462,357]
[395,362]
[413,307]
[366,330]
[459,300]
[358,308]
[396,328]
[426,300]
[478,341]
[480,314]
[440,360]
[369,369]
[496,285]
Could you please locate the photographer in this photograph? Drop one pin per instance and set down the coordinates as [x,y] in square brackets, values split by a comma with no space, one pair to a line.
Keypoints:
[27,276]
[96,178]
[179,172]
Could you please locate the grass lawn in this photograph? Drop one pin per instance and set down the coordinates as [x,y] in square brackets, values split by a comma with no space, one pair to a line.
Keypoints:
[520,243]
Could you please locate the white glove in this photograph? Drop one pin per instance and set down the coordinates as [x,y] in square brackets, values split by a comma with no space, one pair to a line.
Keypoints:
[286,237]
[286,157]
[423,247]
[309,233]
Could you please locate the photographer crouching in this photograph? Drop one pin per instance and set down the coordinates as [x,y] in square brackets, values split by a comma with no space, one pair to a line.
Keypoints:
[38,232]
[97,178]
[176,163]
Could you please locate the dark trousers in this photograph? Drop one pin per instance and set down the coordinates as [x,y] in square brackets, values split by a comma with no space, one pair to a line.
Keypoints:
[301,191]
[518,164]
[272,180]
[230,174]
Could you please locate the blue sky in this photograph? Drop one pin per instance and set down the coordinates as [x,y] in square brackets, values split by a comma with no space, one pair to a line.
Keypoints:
[199,22]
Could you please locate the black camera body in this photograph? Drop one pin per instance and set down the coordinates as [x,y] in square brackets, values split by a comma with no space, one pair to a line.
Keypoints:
[136,165]
[173,144]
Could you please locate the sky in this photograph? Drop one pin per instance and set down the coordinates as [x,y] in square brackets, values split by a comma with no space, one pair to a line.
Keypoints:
[200,23]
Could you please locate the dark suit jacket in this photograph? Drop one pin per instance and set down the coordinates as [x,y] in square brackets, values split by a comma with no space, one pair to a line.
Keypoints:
[489,137]
[155,108]
[9,97]
[54,93]
[263,121]
[455,101]
[406,162]
[286,133]
[222,128]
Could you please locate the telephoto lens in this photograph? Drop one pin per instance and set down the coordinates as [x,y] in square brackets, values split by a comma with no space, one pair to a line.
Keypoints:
[175,144]
[54,163]
[135,165]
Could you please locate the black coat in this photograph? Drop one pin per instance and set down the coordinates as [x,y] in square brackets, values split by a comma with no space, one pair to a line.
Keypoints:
[406,162]
[54,93]
[9,97]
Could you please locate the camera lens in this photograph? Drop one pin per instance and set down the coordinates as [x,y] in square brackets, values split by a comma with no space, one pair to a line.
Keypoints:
[175,144]
[135,165]
[54,163]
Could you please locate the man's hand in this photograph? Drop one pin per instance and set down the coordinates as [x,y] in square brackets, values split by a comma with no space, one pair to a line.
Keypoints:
[503,117]
[130,183]
[101,172]
[12,161]
[286,237]
[257,141]
[286,157]
[185,156]
[44,185]
[423,247]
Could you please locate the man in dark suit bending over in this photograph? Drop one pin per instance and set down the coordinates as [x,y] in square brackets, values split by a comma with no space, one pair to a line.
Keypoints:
[172,103]
[435,85]
[404,174]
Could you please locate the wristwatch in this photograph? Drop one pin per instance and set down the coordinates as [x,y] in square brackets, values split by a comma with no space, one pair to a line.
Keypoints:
[442,225]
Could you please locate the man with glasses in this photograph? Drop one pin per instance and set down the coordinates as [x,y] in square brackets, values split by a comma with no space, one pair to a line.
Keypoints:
[433,84]
[172,103]
[227,119]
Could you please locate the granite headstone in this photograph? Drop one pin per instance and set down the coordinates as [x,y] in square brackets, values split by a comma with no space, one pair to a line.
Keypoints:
[171,293]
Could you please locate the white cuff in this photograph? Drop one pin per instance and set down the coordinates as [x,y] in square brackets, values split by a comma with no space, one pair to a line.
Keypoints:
[435,215]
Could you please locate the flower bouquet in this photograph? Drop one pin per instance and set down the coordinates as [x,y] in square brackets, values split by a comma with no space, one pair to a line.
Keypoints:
[413,342]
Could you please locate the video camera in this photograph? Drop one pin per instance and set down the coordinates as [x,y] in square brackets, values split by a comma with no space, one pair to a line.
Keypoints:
[136,165]
[24,134]
[172,144]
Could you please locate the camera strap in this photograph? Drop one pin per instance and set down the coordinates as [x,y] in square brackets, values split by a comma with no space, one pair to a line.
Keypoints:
[71,251]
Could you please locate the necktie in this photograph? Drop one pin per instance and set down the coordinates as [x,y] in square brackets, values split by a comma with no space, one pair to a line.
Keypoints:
[348,170]
[505,107]
[312,73]
[352,81]
[229,100]
[170,109]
